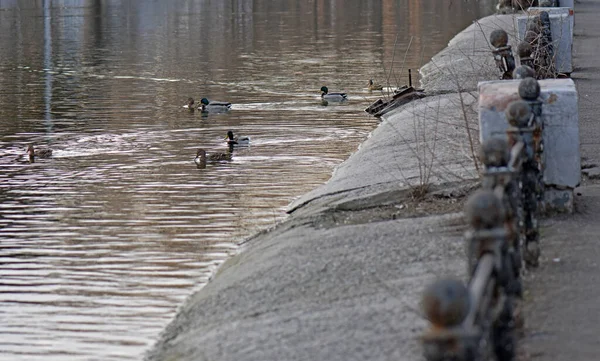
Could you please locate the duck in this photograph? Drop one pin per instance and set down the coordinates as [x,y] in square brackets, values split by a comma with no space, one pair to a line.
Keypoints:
[190,104]
[231,140]
[202,157]
[40,153]
[374,86]
[335,97]
[214,106]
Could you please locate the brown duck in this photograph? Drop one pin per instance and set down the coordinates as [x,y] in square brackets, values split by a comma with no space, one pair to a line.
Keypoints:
[40,153]
[202,157]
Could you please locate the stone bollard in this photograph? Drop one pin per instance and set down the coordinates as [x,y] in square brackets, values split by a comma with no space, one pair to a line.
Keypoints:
[505,61]
[561,29]
[562,10]
[562,164]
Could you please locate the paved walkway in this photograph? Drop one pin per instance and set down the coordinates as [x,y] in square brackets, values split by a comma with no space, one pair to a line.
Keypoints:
[563,314]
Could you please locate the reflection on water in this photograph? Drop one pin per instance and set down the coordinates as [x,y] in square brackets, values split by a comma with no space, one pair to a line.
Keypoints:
[99,244]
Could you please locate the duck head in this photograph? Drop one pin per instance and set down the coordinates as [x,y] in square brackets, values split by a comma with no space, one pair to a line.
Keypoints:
[190,103]
[200,159]
[324,90]
[229,135]
[201,153]
[371,82]
[31,153]
[204,101]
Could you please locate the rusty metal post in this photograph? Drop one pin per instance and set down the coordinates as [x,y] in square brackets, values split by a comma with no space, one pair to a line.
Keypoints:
[492,284]
[522,129]
[529,91]
[524,50]
[505,61]
[523,71]
[446,303]
[502,166]
[548,3]
[467,323]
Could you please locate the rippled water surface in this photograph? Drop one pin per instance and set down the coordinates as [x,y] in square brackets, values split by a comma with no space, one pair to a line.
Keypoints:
[101,242]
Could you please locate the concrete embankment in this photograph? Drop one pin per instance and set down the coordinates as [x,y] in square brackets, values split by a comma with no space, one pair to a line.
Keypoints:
[341,278]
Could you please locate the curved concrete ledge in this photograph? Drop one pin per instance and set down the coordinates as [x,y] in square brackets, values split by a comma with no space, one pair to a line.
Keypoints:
[467,60]
[324,285]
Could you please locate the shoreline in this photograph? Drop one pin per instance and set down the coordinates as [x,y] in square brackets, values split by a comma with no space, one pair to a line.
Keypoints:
[345,269]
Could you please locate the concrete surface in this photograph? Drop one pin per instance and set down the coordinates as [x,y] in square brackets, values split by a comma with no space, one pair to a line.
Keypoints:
[344,293]
[467,60]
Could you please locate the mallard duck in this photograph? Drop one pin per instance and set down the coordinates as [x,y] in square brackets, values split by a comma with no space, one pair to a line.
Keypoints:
[231,140]
[374,86]
[190,104]
[40,153]
[202,157]
[214,106]
[332,97]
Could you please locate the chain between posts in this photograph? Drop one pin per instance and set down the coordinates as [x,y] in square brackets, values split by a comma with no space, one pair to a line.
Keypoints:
[477,321]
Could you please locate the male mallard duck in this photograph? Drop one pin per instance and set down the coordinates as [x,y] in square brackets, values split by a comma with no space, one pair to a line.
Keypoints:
[332,97]
[214,106]
[41,153]
[190,104]
[231,140]
[202,157]
[374,86]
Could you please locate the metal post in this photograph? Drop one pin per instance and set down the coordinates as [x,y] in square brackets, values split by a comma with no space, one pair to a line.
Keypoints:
[522,129]
[502,52]
[502,166]
[525,50]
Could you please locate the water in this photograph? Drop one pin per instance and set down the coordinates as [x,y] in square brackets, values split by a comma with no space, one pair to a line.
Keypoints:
[100,243]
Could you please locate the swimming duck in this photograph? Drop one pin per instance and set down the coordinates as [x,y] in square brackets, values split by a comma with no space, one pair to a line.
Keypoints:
[231,140]
[332,97]
[41,153]
[214,106]
[374,86]
[202,157]
[190,104]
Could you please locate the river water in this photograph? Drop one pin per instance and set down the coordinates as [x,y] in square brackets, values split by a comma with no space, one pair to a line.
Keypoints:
[101,242]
